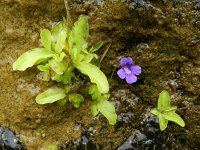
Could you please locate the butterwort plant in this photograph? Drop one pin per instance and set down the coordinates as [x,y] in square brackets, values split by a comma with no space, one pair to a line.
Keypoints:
[166,112]
[129,71]
[65,51]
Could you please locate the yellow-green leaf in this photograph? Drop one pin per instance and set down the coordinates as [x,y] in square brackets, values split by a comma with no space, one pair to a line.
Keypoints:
[172,116]
[59,34]
[43,67]
[45,35]
[50,96]
[78,36]
[94,109]
[58,67]
[62,102]
[162,122]
[95,47]
[155,111]
[31,58]
[76,99]
[95,74]
[108,111]
[164,101]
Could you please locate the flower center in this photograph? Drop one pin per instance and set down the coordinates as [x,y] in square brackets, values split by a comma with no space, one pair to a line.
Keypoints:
[127,70]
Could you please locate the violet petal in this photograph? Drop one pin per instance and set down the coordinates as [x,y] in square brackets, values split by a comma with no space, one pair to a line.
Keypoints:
[136,69]
[121,73]
[131,78]
[129,61]
[126,61]
[123,62]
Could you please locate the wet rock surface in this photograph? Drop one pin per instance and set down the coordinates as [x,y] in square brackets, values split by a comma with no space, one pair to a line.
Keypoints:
[161,36]
[8,140]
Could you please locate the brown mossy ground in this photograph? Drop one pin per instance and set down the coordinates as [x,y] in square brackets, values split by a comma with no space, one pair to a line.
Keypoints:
[161,36]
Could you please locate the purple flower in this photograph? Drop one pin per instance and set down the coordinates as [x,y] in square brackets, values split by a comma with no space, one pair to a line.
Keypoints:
[128,70]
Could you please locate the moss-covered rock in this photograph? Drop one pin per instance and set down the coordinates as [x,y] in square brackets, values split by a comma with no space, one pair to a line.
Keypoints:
[162,37]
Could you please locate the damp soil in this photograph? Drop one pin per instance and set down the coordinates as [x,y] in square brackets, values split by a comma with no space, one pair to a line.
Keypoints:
[162,36]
